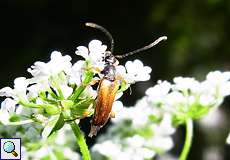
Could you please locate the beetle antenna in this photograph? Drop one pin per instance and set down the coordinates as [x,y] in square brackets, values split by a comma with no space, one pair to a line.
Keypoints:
[163,38]
[105,31]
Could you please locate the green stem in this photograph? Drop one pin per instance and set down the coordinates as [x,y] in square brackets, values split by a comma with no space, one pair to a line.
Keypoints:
[20,122]
[81,141]
[188,139]
[78,92]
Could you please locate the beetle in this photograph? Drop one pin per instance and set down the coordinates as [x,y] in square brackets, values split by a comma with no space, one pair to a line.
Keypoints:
[109,84]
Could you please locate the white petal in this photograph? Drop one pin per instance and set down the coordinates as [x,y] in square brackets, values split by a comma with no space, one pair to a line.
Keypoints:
[7,92]
[136,71]
[120,70]
[4,117]
[66,90]
[9,105]
[96,46]
[117,107]
[106,147]
[136,141]
[82,51]
[163,143]
[217,76]
[158,93]
[76,73]
[20,85]
[185,83]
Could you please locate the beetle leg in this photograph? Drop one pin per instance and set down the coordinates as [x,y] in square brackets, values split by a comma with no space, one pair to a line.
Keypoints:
[93,130]
[94,81]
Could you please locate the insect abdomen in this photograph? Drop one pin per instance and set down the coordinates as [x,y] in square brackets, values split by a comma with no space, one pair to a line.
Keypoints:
[106,95]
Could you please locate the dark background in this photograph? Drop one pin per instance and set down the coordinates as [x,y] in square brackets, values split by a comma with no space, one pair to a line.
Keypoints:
[198,42]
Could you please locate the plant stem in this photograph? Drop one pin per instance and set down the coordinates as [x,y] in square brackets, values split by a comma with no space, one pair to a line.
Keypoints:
[20,122]
[81,141]
[188,139]
[81,88]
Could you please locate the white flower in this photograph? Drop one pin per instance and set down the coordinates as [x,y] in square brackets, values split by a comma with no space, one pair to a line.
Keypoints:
[138,153]
[4,117]
[35,89]
[136,71]
[138,115]
[19,91]
[228,139]
[108,148]
[176,99]
[66,90]
[165,128]
[58,63]
[20,87]
[217,83]
[158,93]
[162,143]
[135,141]
[217,77]
[95,54]
[77,72]
[207,99]
[136,146]
[9,105]
[117,107]
[6,92]
[186,83]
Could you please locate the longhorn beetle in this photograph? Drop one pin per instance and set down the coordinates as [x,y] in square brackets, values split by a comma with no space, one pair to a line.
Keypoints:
[109,84]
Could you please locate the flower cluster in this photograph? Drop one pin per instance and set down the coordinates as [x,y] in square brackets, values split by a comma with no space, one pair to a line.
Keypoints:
[138,133]
[60,145]
[60,91]
[189,98]
[142,131]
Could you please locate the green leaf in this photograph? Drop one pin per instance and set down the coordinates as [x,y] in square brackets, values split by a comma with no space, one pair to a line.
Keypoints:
[197,111]
[178,119]
[88,77]
[154,118]
[14,118]
[84,104]
[145,132]
[33,146]
[51,109]
[55,123]
[59,124]
[67,104]
[79,109]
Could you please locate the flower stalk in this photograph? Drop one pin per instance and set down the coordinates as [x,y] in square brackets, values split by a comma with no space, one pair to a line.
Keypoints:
[80,140]
[188,139]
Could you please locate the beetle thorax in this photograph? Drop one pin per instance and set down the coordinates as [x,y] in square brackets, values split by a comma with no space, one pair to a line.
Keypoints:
[110,59]
[109,72]
[110,62]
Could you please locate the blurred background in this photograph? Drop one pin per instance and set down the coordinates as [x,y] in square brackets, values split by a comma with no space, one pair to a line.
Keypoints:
[198,42]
